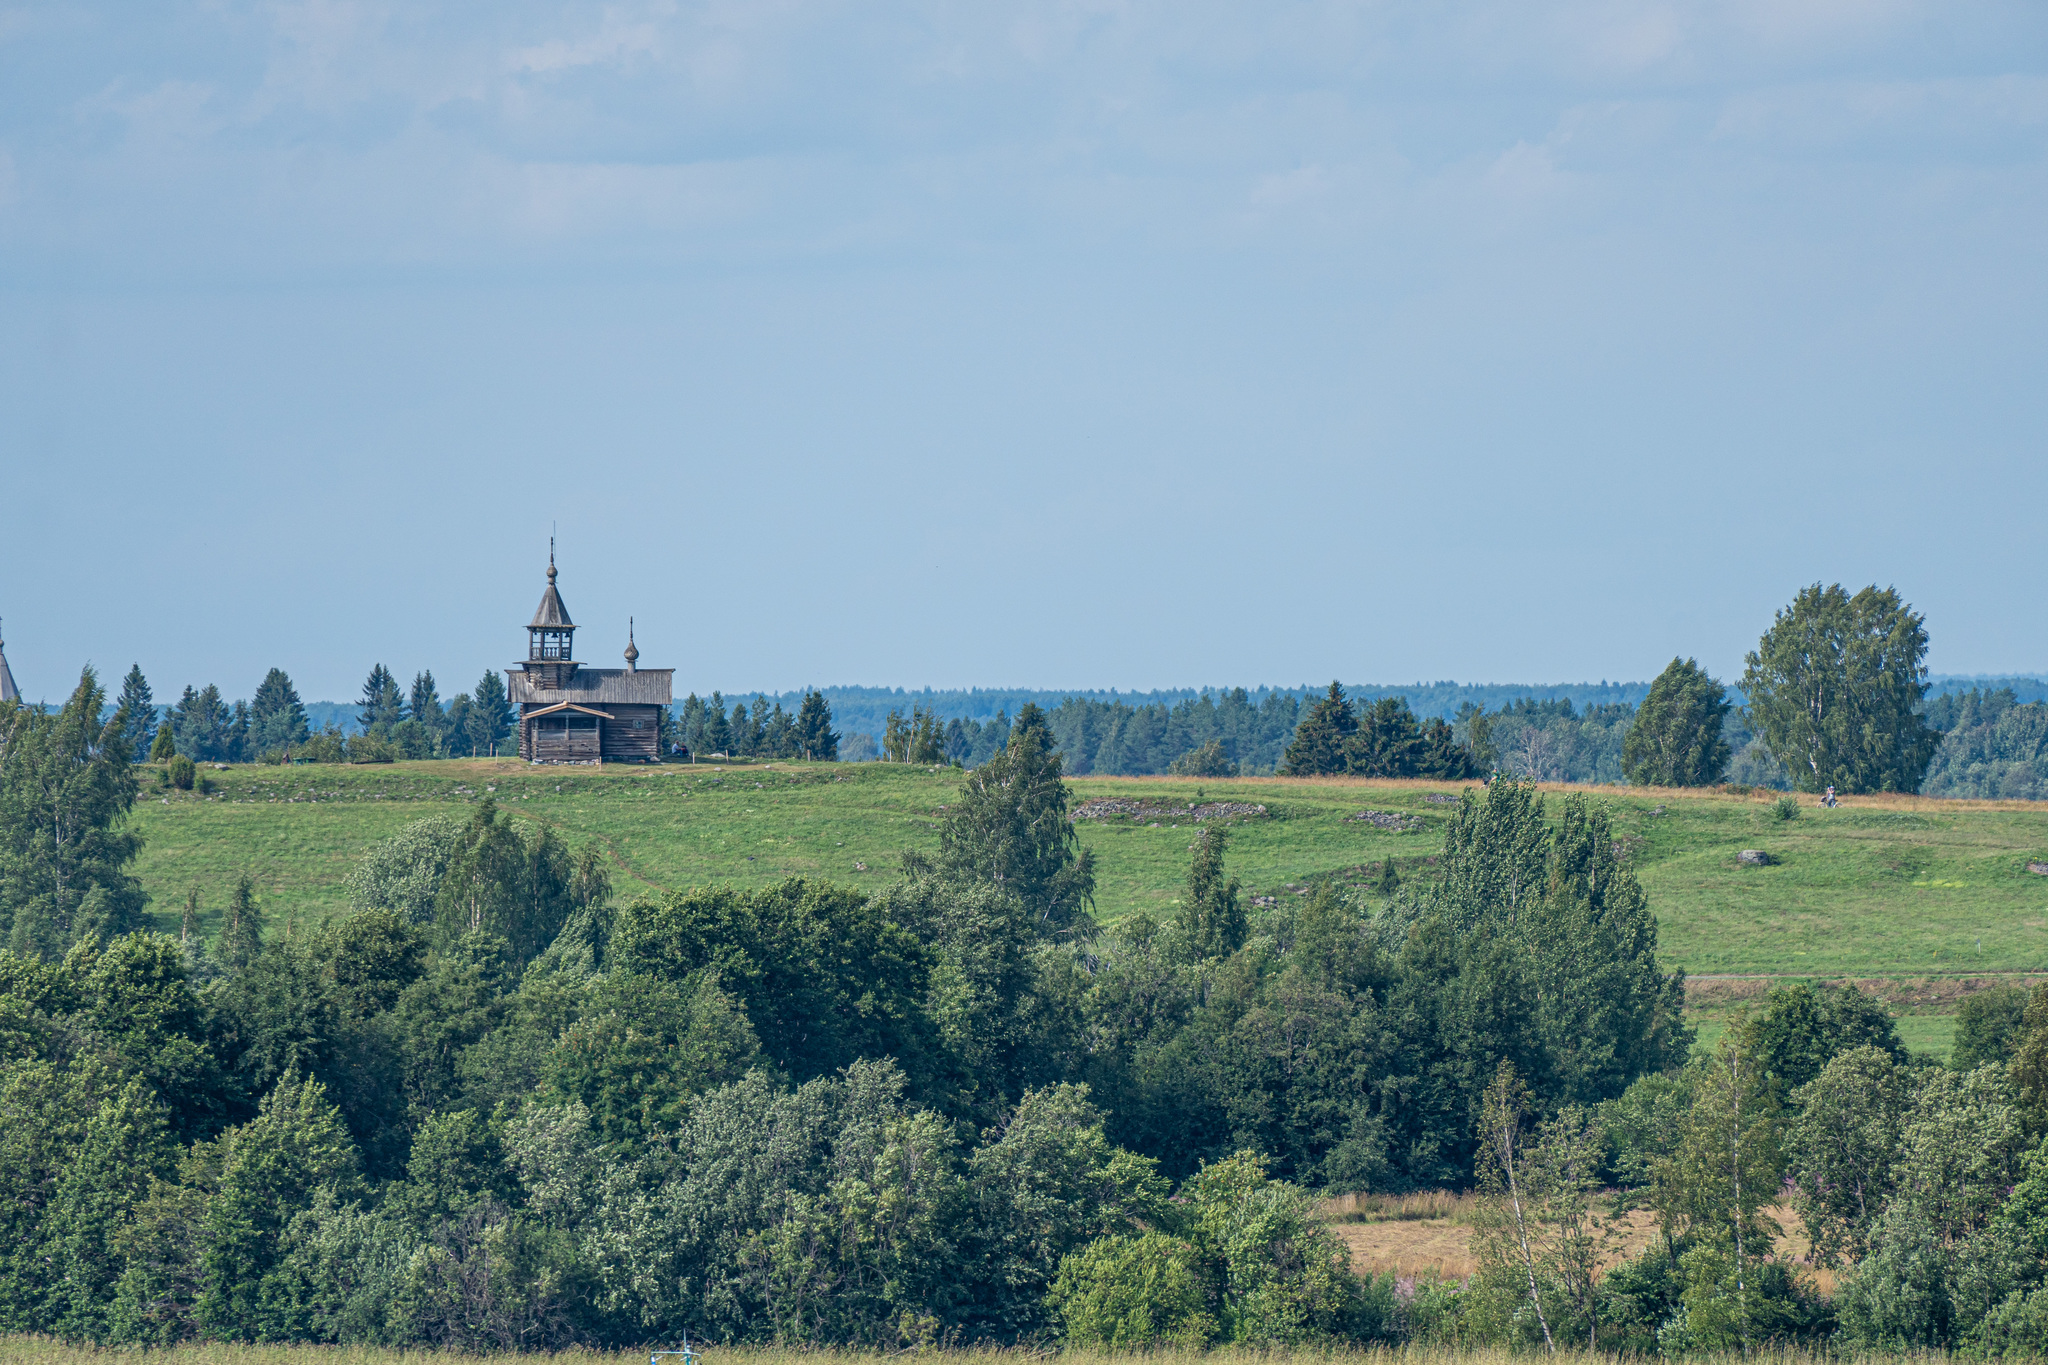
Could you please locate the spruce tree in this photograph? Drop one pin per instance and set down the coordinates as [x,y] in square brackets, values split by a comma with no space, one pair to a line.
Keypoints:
[490,714]
[277,719]
[1389,881]
[188,923]
[742,727]
[1676,740]
[164,747]
[137,701]
[691,724]
[236,746]
[1441,756]
[425,704]
[1387,742]
[1010,828]
[812,735]
[717,729]
[1322,742]
[241,933]
[382,703]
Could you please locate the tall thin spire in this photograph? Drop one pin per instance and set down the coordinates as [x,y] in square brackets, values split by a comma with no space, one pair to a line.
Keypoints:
[632,650]
[8,691]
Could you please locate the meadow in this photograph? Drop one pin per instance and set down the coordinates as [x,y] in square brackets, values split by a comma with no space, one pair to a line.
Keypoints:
[1921,899]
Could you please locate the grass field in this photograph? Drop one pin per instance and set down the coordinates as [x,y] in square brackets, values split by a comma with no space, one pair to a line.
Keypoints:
[1900,889]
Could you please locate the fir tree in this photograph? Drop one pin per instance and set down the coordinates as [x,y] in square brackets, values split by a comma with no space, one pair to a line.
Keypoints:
[237,745]
[1441,756]
[277,719]
[1010,828]
[164,747]
[425,704]
[188,923]
[382,703]
[717,729]
[1389,881]
[812,735]
[490,715]
[137,701]
[202,725]
[1322,741]
[691,724]
[1387,742]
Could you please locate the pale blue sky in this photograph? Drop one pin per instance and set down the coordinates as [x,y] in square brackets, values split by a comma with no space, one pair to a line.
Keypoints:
[1120,344]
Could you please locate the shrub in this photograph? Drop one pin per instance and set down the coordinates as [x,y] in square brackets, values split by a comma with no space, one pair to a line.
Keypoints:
[1207,761]
[1784,808]
[182,772]
[326,747]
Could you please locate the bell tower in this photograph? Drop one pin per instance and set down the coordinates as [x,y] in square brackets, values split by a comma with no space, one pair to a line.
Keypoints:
[550,647]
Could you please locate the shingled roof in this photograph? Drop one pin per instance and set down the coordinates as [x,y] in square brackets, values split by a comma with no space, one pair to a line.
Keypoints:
[551,614]
[596,687]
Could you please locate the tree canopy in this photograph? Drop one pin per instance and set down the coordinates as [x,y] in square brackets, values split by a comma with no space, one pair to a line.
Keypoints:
[1835,687]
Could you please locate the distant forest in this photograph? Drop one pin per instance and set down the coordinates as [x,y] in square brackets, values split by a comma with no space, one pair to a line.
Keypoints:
[1995,729]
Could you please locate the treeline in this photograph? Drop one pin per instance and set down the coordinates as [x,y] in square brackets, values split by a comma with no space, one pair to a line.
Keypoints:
[704,729]
[490,1107]
[272,727]
[1994,747]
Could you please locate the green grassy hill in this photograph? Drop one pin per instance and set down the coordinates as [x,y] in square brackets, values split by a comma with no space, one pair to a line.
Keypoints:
[1900,888]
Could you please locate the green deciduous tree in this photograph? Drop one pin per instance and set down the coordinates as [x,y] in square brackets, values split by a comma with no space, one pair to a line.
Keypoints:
[1834,689]
[1843,1149]
[499,883]
[67,784]
[1676,740]
[270,1168]
[403,874]
[1803,1025]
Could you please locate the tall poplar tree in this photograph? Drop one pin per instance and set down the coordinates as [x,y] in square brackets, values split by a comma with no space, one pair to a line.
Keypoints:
[1835,687]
